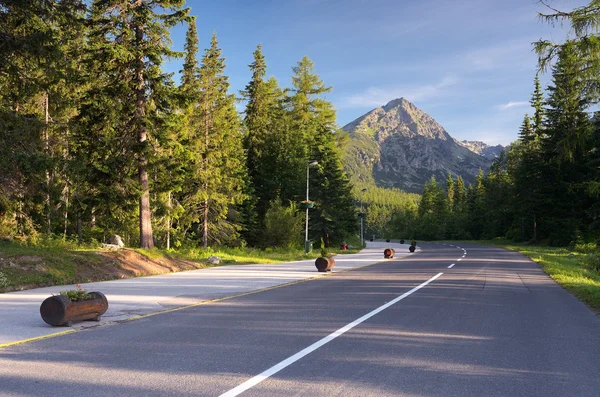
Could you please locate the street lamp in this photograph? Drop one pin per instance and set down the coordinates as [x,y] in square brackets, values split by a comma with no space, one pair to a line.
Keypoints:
[311,164]
[361,217]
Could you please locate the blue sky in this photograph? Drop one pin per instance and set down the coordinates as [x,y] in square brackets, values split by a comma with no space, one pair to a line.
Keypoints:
[468,63]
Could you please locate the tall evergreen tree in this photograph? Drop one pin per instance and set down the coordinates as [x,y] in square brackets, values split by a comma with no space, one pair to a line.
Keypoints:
[526,131]
[568,122]
[569,133]
[314,117]
[127,44]
[39,49]
[219,169]
[262,121]
[537,103]
[459,194]
[450,192]
[585,44]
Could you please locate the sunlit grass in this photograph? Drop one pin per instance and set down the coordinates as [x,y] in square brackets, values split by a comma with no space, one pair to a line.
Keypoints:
[241,255]
[45,265]
[56,262]
[576,269]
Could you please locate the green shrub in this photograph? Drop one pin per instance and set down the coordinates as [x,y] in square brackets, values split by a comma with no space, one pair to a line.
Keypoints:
[283,226]
[593,261]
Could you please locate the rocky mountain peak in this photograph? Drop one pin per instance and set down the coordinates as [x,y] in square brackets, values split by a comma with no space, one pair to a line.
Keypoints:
[398,102]
[398,116]
[399,145]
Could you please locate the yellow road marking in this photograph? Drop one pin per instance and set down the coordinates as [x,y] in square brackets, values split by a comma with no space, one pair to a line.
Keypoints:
[70,331]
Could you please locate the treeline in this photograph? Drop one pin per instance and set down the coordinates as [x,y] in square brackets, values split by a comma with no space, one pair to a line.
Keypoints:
[381,205]
[96,139]
[546,186]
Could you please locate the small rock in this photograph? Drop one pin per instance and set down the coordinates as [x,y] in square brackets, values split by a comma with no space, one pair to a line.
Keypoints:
[213,260]
[117,240]
[111,247]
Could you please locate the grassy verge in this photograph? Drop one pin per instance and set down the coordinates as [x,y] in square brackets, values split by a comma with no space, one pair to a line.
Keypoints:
[58,263]
[576,269]
[240,256]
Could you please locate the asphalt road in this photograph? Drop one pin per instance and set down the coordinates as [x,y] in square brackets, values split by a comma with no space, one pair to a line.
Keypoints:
[492,325]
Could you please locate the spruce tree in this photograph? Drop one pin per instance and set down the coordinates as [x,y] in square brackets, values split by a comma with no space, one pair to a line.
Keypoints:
[526,131]
[263,111]
[128,43]
[569,126]
[39,53]
[218,167]
[459,194]
[314,117]
[537,103]
[450,192]
[585,43]
[569,133]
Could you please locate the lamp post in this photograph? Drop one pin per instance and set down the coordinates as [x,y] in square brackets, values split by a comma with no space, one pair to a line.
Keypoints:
[311,164]
[361,217]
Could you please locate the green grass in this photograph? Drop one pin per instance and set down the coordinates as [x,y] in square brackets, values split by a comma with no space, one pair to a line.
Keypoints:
[38,266]
[58,263]
[579,273]
[240,256]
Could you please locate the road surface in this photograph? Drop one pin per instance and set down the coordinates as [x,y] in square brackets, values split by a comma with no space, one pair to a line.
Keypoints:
[491,325]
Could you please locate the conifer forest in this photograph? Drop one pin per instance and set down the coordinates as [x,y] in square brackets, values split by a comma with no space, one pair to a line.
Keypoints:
[96,139]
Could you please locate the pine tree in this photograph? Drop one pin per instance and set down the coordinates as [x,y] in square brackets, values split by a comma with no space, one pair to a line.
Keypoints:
[526,131]
[38,59]
[585,44]
[450,192]
[569,133]
[459,194]
[569,126]
[537,103]
[190,72]
[127,44]
[263,111]
[218,169]
[314,117]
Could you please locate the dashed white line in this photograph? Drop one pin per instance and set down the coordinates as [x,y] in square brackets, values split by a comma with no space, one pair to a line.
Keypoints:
[290,360]
[451,266]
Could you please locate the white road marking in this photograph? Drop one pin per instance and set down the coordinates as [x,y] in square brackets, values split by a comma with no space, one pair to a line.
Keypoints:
[290,360]
[451,266]
[459,259]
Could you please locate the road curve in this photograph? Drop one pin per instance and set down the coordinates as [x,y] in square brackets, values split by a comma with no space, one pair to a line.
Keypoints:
[493,324]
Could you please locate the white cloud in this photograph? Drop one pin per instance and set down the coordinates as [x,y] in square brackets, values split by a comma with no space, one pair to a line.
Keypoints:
[512,104]
[379,96]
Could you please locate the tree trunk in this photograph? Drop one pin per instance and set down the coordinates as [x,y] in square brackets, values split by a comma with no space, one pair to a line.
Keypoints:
[146,240]
[205,225]
[207,125]
[169,222]
[66,209]
[47,150]
[79,231]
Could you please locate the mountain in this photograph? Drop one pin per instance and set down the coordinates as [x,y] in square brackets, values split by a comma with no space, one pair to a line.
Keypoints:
[483,149]
[399,145]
